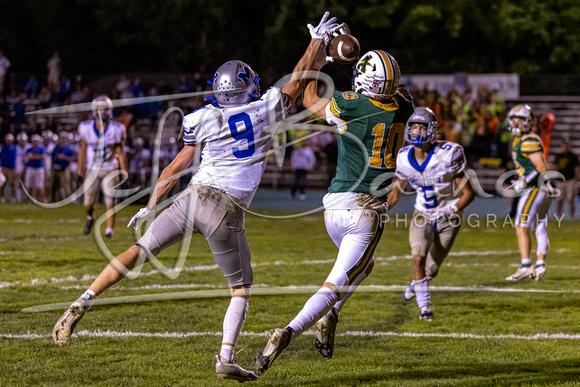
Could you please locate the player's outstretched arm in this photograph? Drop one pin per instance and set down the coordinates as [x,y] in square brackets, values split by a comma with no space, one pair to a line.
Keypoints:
[313,59]
[312,101]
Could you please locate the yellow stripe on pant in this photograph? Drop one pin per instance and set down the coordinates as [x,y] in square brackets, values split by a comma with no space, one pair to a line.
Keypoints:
[367,255]
[531,199]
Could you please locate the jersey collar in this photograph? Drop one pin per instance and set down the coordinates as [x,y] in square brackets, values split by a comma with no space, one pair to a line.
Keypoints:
[415,164]
[97,131]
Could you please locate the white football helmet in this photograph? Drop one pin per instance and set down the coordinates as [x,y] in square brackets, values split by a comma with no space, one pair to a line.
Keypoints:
[524,112]
[102,108]
[376,75]
[235,83]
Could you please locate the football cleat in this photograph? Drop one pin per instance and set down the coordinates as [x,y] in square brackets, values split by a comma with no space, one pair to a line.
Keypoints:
[522,272]
[539,272]
[409,293]
[278,340]
[227,370]
[426,315]
[324,338]
[64,327]
[88,226]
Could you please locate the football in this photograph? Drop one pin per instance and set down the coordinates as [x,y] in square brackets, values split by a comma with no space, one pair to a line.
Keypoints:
[345,49]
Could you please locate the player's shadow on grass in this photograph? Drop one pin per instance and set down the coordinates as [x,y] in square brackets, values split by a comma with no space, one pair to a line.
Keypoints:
[465,374]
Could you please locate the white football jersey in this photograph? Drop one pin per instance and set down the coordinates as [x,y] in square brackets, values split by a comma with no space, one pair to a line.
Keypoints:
[433,179]
[236,141]
[101,146]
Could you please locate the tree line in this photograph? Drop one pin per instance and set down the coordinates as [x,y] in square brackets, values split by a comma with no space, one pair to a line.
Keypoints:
[106,37]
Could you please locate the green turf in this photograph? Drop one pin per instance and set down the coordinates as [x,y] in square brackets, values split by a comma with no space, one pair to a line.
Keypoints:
[44,256]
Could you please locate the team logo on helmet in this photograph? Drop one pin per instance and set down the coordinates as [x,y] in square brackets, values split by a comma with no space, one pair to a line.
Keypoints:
[363,63]
[245,76]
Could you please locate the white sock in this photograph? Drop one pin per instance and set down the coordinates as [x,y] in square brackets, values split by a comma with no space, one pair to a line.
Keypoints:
[88,294]
[355,283]
[227,353]
[108,230]
[316,307]
[526,261]
[233,323]
[422,293]
[540,262]
[542,241]
[88,298]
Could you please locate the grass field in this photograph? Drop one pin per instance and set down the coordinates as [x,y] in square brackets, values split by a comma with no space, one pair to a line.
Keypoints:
[486,331]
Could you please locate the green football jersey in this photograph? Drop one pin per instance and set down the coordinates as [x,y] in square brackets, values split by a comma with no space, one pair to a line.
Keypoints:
[522,148]
[365,124]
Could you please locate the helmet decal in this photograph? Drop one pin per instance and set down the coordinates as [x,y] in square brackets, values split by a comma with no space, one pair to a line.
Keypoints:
[245,76]
[363,63]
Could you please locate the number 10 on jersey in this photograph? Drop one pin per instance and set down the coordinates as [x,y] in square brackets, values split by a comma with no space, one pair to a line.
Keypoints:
[384,154]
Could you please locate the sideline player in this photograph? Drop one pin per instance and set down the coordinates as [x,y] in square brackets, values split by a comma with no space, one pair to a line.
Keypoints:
[533,206]
[374,112]
[435,170]
[102,149]
[237,135]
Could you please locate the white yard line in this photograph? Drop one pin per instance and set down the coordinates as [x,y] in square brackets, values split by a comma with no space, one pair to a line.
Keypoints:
[179,335]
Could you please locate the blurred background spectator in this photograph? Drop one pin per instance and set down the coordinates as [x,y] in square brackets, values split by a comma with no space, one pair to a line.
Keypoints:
[302,161]
[53,67]
[4,66]
[567,164]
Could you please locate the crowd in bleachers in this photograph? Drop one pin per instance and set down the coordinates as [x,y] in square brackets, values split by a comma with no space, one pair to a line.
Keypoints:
[474,119]
[19,132]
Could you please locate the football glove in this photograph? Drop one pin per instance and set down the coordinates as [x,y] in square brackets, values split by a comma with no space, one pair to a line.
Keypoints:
[322,30]
[372,203]
[340,29]
[140,217]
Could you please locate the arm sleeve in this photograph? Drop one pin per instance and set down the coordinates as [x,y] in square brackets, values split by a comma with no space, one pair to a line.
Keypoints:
[531,145]
[200,126]
[399,171]
[341,109]
[458,161]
